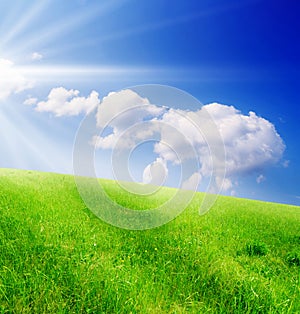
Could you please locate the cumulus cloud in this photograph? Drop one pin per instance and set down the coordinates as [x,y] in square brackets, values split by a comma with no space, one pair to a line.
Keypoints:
[192,182]
[11,79]
[63,102]
[35,56]
[251,142]
[156,172]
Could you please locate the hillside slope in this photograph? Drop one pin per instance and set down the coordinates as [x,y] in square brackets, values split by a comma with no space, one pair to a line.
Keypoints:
[57,257]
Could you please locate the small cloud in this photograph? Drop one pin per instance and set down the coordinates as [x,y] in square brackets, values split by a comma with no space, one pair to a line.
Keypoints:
[35,56]
[155,173]
[225,184]
[260,179]
[192,182]
[63,102]
[286,163]
[30,101]
[12,80]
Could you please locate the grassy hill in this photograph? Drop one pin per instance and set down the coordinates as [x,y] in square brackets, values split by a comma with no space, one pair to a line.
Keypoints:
[57,257]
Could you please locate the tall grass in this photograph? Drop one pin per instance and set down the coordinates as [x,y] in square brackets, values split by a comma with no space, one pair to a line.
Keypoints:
[57,257]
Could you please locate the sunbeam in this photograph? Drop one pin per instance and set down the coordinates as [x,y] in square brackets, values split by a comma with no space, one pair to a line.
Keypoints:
[24,144]
[26,20]
[45,36]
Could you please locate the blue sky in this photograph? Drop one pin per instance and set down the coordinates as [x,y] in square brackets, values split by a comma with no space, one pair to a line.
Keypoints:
[236,53]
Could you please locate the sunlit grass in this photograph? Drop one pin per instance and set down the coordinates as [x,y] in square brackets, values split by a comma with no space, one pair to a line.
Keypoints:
[57,257]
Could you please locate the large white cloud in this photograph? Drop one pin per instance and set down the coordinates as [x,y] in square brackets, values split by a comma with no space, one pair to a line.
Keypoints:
[251,142]
[11,79]
[63,102]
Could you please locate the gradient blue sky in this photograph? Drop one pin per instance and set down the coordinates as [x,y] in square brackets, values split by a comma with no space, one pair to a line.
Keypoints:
[234,52]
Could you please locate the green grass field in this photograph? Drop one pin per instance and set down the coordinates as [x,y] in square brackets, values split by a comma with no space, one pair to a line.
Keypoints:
[56,257]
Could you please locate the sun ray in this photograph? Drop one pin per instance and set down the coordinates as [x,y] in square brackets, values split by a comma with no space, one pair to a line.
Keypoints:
[58,73]
[67,24]
[25,21]
[16,142]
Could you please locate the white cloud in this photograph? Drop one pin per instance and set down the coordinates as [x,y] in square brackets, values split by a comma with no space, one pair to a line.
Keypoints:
[156,172]
[251,143]
[115,109]
[63,102]
[124,141]
[106,142]
[35,56]
[192,182]
[30,101]
[224,184]
[11,79]
[120,111]
[261,178]
[181,135]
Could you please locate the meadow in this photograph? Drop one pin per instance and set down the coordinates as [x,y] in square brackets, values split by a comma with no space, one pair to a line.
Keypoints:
[56,256]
